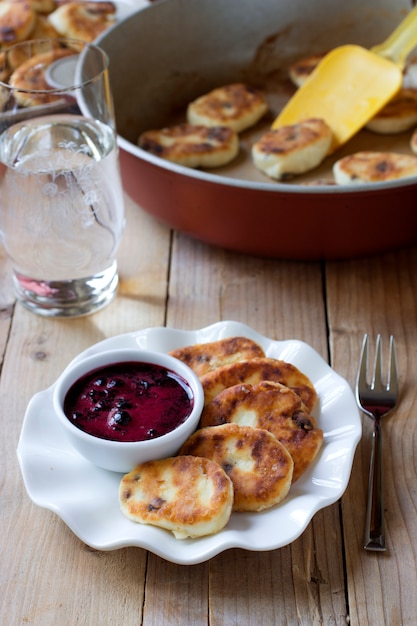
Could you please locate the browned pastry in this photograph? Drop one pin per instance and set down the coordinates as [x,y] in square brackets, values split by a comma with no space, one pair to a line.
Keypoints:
[259,466]
[17,19]
[206,357]
[254,371]
[187,495]
[275,408]
[413,142]
[399,115]
[374,167]
[83,20]
[43,29]
[43,6]
[292,149]
[300,70]
[31,75]
[237,106]
[192,145]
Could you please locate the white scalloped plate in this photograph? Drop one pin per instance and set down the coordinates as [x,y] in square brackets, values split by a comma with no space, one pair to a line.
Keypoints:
[86,498]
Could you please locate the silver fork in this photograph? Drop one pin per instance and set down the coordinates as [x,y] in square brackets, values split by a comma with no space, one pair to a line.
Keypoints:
[376,399]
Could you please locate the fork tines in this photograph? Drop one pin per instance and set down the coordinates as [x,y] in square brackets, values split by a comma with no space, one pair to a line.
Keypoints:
[376,383]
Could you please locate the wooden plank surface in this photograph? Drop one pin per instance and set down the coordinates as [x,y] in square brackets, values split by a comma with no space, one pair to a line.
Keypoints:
[379,295]
[49,577]
[281,300]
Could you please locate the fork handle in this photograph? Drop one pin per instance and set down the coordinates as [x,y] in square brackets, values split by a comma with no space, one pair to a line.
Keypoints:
[375,526]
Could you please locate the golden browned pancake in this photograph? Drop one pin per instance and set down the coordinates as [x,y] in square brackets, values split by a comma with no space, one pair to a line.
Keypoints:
[206,357]
[258,465]
[254,371]
[31,75]
[43,29]
[43,6]
[275,408]
[187,495]
[292,149]
[410,72]
[192,146]
[18,55]
[83,20]
[398,115]
[4,72]
[237,106]
[413,142]
[17,19]
[374,167]
[301,69]
[4,96]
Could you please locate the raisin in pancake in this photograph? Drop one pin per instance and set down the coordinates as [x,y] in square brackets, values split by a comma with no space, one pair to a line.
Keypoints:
[301,69]
[259,466]
[31,74]
[397,116]
[275,408]
[192,145]
[83,20]
[292,149]
[254,371]
[237,106]
[17,19]
[206,357]
[187,495]
[373,167]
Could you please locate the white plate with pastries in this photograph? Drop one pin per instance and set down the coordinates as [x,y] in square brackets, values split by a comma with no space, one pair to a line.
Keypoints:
[86,498]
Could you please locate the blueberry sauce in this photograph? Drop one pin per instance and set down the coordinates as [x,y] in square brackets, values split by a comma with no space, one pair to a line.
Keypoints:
[129,401]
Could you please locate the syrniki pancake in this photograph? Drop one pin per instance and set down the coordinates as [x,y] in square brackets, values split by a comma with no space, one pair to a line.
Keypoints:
[300,70]
[45,6]
[398,115]
[83,20]
[206,357]
[17,19]
[373,167]
[413,142]
[43,29]
[410,73]
[237,106]
[259,466]
[254,371]
[191,145]
[275,408]
[292,149]
[187,495]
[31,74]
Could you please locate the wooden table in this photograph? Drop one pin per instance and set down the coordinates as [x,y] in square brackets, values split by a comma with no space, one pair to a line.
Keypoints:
[49,577]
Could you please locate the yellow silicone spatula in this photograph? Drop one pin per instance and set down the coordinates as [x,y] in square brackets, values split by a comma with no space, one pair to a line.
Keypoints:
[351,84]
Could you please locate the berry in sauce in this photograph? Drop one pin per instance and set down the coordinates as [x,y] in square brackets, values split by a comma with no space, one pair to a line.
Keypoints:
[129,401]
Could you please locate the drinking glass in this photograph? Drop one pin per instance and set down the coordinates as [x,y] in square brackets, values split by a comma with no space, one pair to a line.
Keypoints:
[61,200]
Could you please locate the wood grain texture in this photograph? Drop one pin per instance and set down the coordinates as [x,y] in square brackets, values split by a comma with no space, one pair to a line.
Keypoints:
[50,578]
[281,300]
[379,295]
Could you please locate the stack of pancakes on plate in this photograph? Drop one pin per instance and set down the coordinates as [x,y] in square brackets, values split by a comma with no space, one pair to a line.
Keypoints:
[256,426]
